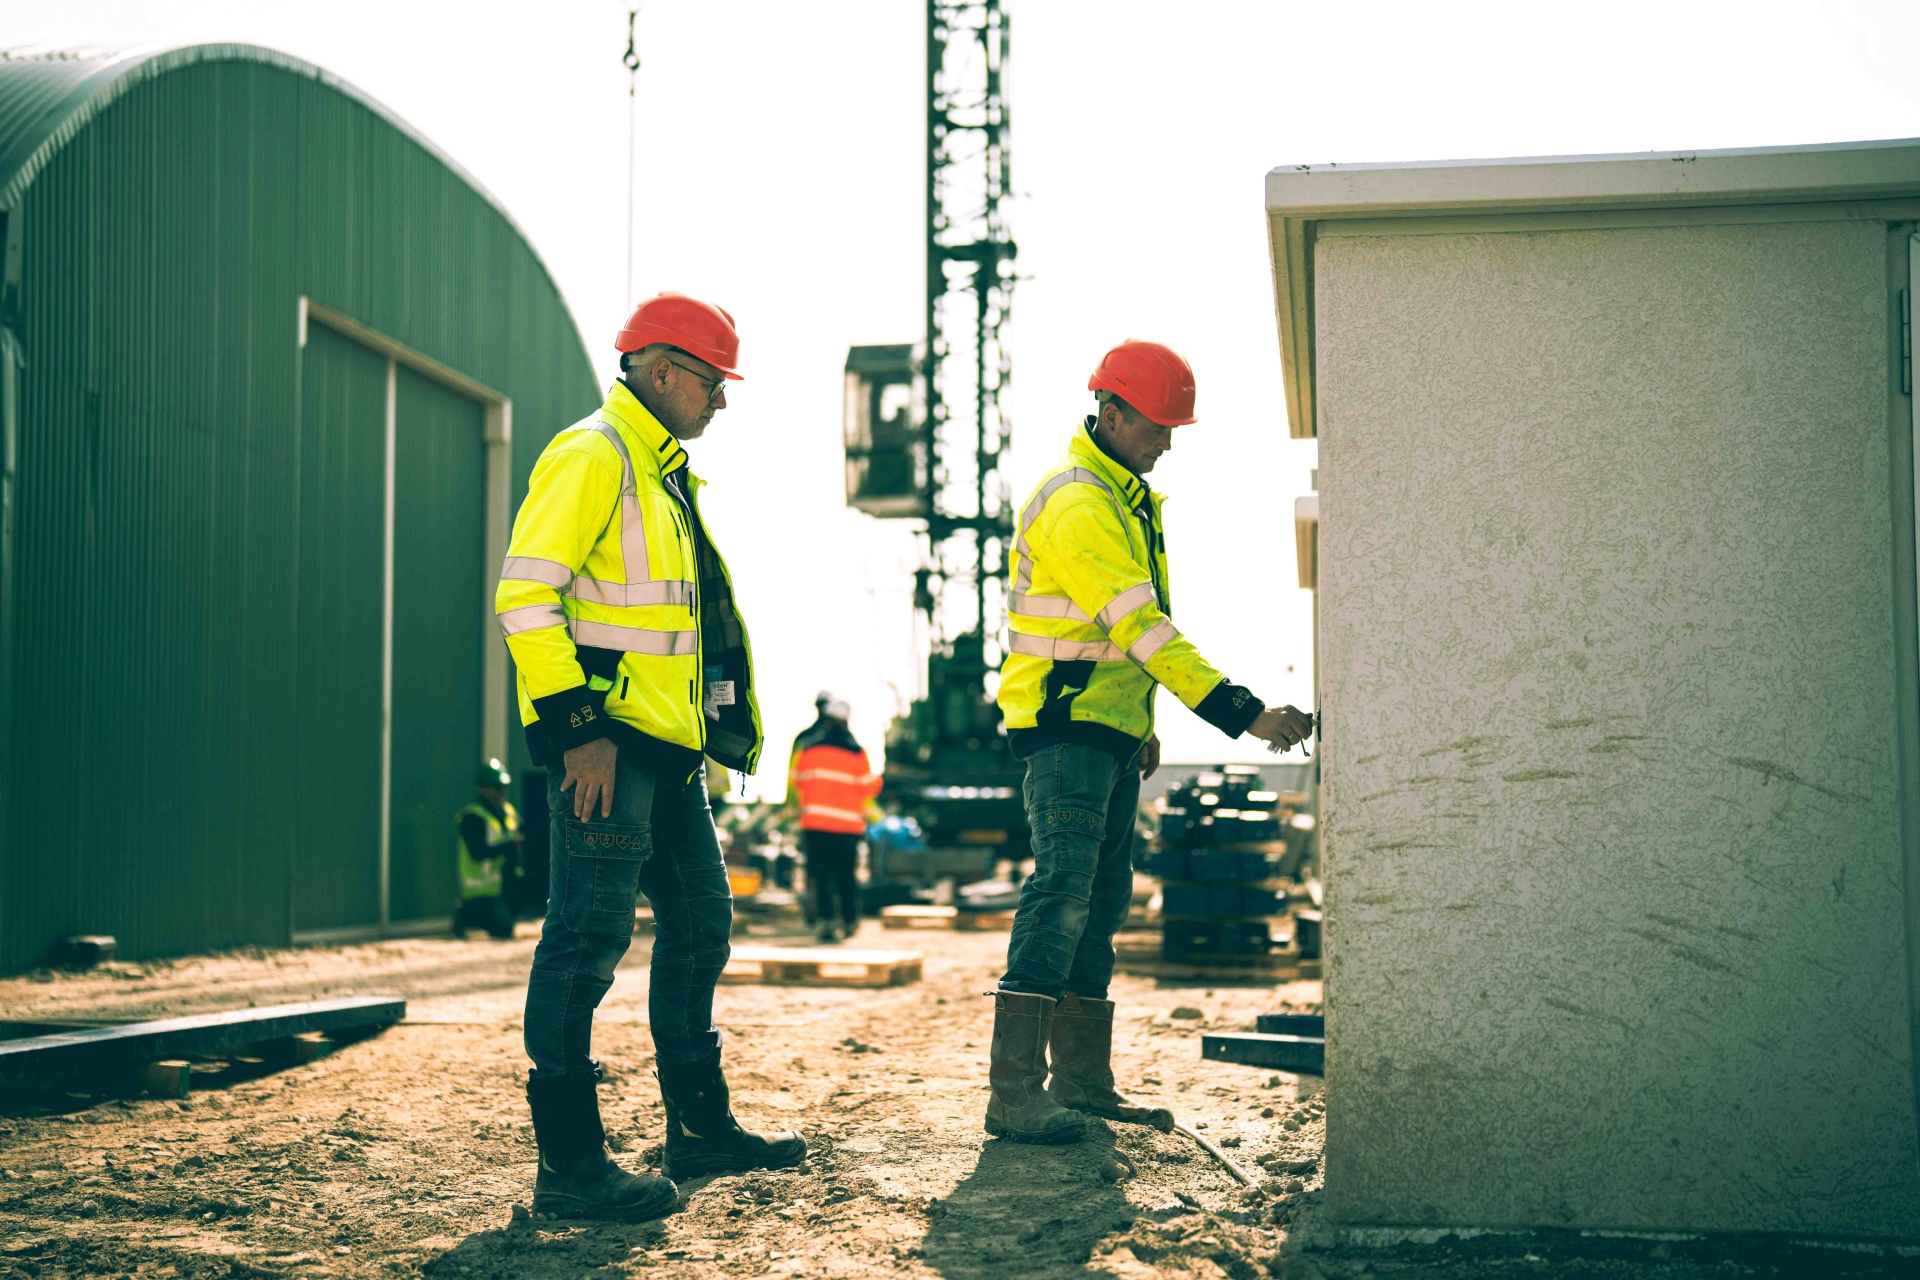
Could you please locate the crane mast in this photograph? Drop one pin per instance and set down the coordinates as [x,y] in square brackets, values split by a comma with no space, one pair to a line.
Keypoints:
[970,254]
[927,429]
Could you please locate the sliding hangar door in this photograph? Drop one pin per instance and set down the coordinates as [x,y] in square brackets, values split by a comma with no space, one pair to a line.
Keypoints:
[262,349]
[393,491]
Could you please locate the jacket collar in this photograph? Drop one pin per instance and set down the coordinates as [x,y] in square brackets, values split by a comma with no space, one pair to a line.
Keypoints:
[1086,451]
[624,409]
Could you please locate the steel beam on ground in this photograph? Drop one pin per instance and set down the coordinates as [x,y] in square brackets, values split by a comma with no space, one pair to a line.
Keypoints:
[207,1033]
[1305,1054]
[1292,1024]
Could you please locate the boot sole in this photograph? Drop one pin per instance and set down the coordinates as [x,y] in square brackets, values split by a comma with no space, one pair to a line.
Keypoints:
[681,1170]
[1058,1137]
[551,1205]
[1163,1121]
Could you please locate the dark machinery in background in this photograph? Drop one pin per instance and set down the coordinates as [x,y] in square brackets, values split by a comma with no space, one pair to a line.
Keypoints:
[925,431]
[1228,853]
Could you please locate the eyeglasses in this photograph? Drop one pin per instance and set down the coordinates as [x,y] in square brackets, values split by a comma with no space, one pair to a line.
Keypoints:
[716,387]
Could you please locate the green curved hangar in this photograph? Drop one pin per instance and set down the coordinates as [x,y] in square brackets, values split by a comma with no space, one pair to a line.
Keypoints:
[262,350]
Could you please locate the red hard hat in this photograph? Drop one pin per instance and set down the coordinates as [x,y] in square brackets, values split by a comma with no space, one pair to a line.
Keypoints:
[1150,377]
[698,328]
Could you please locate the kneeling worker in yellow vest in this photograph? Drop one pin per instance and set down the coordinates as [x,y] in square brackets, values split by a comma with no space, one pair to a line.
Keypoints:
[489,830]
[1091,642]
[632,661]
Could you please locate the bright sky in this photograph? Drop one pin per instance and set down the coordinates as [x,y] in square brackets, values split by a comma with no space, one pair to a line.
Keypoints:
[781,176]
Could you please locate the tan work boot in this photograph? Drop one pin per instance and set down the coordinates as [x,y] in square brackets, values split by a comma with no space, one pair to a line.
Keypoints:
[1019,1107]
[1082,1055]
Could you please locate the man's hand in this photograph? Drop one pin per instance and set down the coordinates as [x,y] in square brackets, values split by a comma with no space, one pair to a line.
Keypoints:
[1286,727]
[1150,756]
[590,776]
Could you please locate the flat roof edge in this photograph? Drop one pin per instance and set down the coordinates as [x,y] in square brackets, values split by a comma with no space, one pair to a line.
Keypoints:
[1836,171]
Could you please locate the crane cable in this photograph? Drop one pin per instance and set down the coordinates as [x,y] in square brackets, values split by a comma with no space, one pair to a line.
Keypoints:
[631,61]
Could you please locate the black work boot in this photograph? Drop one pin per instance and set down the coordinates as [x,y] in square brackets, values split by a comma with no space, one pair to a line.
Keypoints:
[1019,1107]
[577,1178]
[702,1135]
[1081,1053]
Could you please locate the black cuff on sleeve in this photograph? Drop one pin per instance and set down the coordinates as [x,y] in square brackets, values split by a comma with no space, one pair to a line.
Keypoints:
[573,717]
[1230,708]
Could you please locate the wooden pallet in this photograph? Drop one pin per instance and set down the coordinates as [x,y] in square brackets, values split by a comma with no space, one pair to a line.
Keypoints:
[1246,846]
[1226,975]
[1276,968]
[821,967]
[983,921]
[917,916]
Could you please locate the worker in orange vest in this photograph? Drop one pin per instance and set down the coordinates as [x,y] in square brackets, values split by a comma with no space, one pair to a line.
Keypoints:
[831,782]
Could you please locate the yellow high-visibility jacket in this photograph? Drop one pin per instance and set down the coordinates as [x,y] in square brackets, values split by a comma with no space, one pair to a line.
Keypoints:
[1088,609]
[481,877]
[617,607]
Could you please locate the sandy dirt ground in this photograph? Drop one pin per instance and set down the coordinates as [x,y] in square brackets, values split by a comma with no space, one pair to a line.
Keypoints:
[410,1153]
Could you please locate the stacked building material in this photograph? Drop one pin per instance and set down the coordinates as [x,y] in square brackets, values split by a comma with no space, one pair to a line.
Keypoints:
[1220,856]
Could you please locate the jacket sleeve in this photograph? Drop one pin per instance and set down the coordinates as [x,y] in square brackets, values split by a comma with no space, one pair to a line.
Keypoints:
[569,501]
[1093,560]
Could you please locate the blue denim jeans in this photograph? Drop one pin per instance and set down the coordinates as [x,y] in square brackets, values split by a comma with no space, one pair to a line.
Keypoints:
[658,840]
[1081,803]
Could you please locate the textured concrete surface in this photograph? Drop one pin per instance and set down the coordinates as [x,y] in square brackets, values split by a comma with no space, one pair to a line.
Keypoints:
[1612,791]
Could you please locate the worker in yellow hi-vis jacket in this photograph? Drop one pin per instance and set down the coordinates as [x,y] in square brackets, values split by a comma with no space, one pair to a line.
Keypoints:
[632,661]
[1092,640]
[489,828]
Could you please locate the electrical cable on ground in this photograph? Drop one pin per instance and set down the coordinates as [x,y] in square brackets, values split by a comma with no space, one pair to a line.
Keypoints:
[1213,1149]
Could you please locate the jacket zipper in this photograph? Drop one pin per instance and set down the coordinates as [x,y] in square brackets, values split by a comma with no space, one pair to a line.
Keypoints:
[683,519]
[720,568]
[1144,514]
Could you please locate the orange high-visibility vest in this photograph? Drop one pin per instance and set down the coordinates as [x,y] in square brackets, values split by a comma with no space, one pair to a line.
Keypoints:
[834,786]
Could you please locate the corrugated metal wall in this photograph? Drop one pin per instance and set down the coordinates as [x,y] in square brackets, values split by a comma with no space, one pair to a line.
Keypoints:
[189,643]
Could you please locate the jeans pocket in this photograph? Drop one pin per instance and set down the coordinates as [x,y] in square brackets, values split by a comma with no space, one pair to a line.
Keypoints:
[1066,851]
[603,875]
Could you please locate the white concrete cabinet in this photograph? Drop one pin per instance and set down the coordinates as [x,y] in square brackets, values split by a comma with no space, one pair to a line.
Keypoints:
[1622,724]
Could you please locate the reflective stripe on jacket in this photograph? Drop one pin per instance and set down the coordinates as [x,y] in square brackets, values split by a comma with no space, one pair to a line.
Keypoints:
[481,878]
[1087,615]
[614,603]
[834,786]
